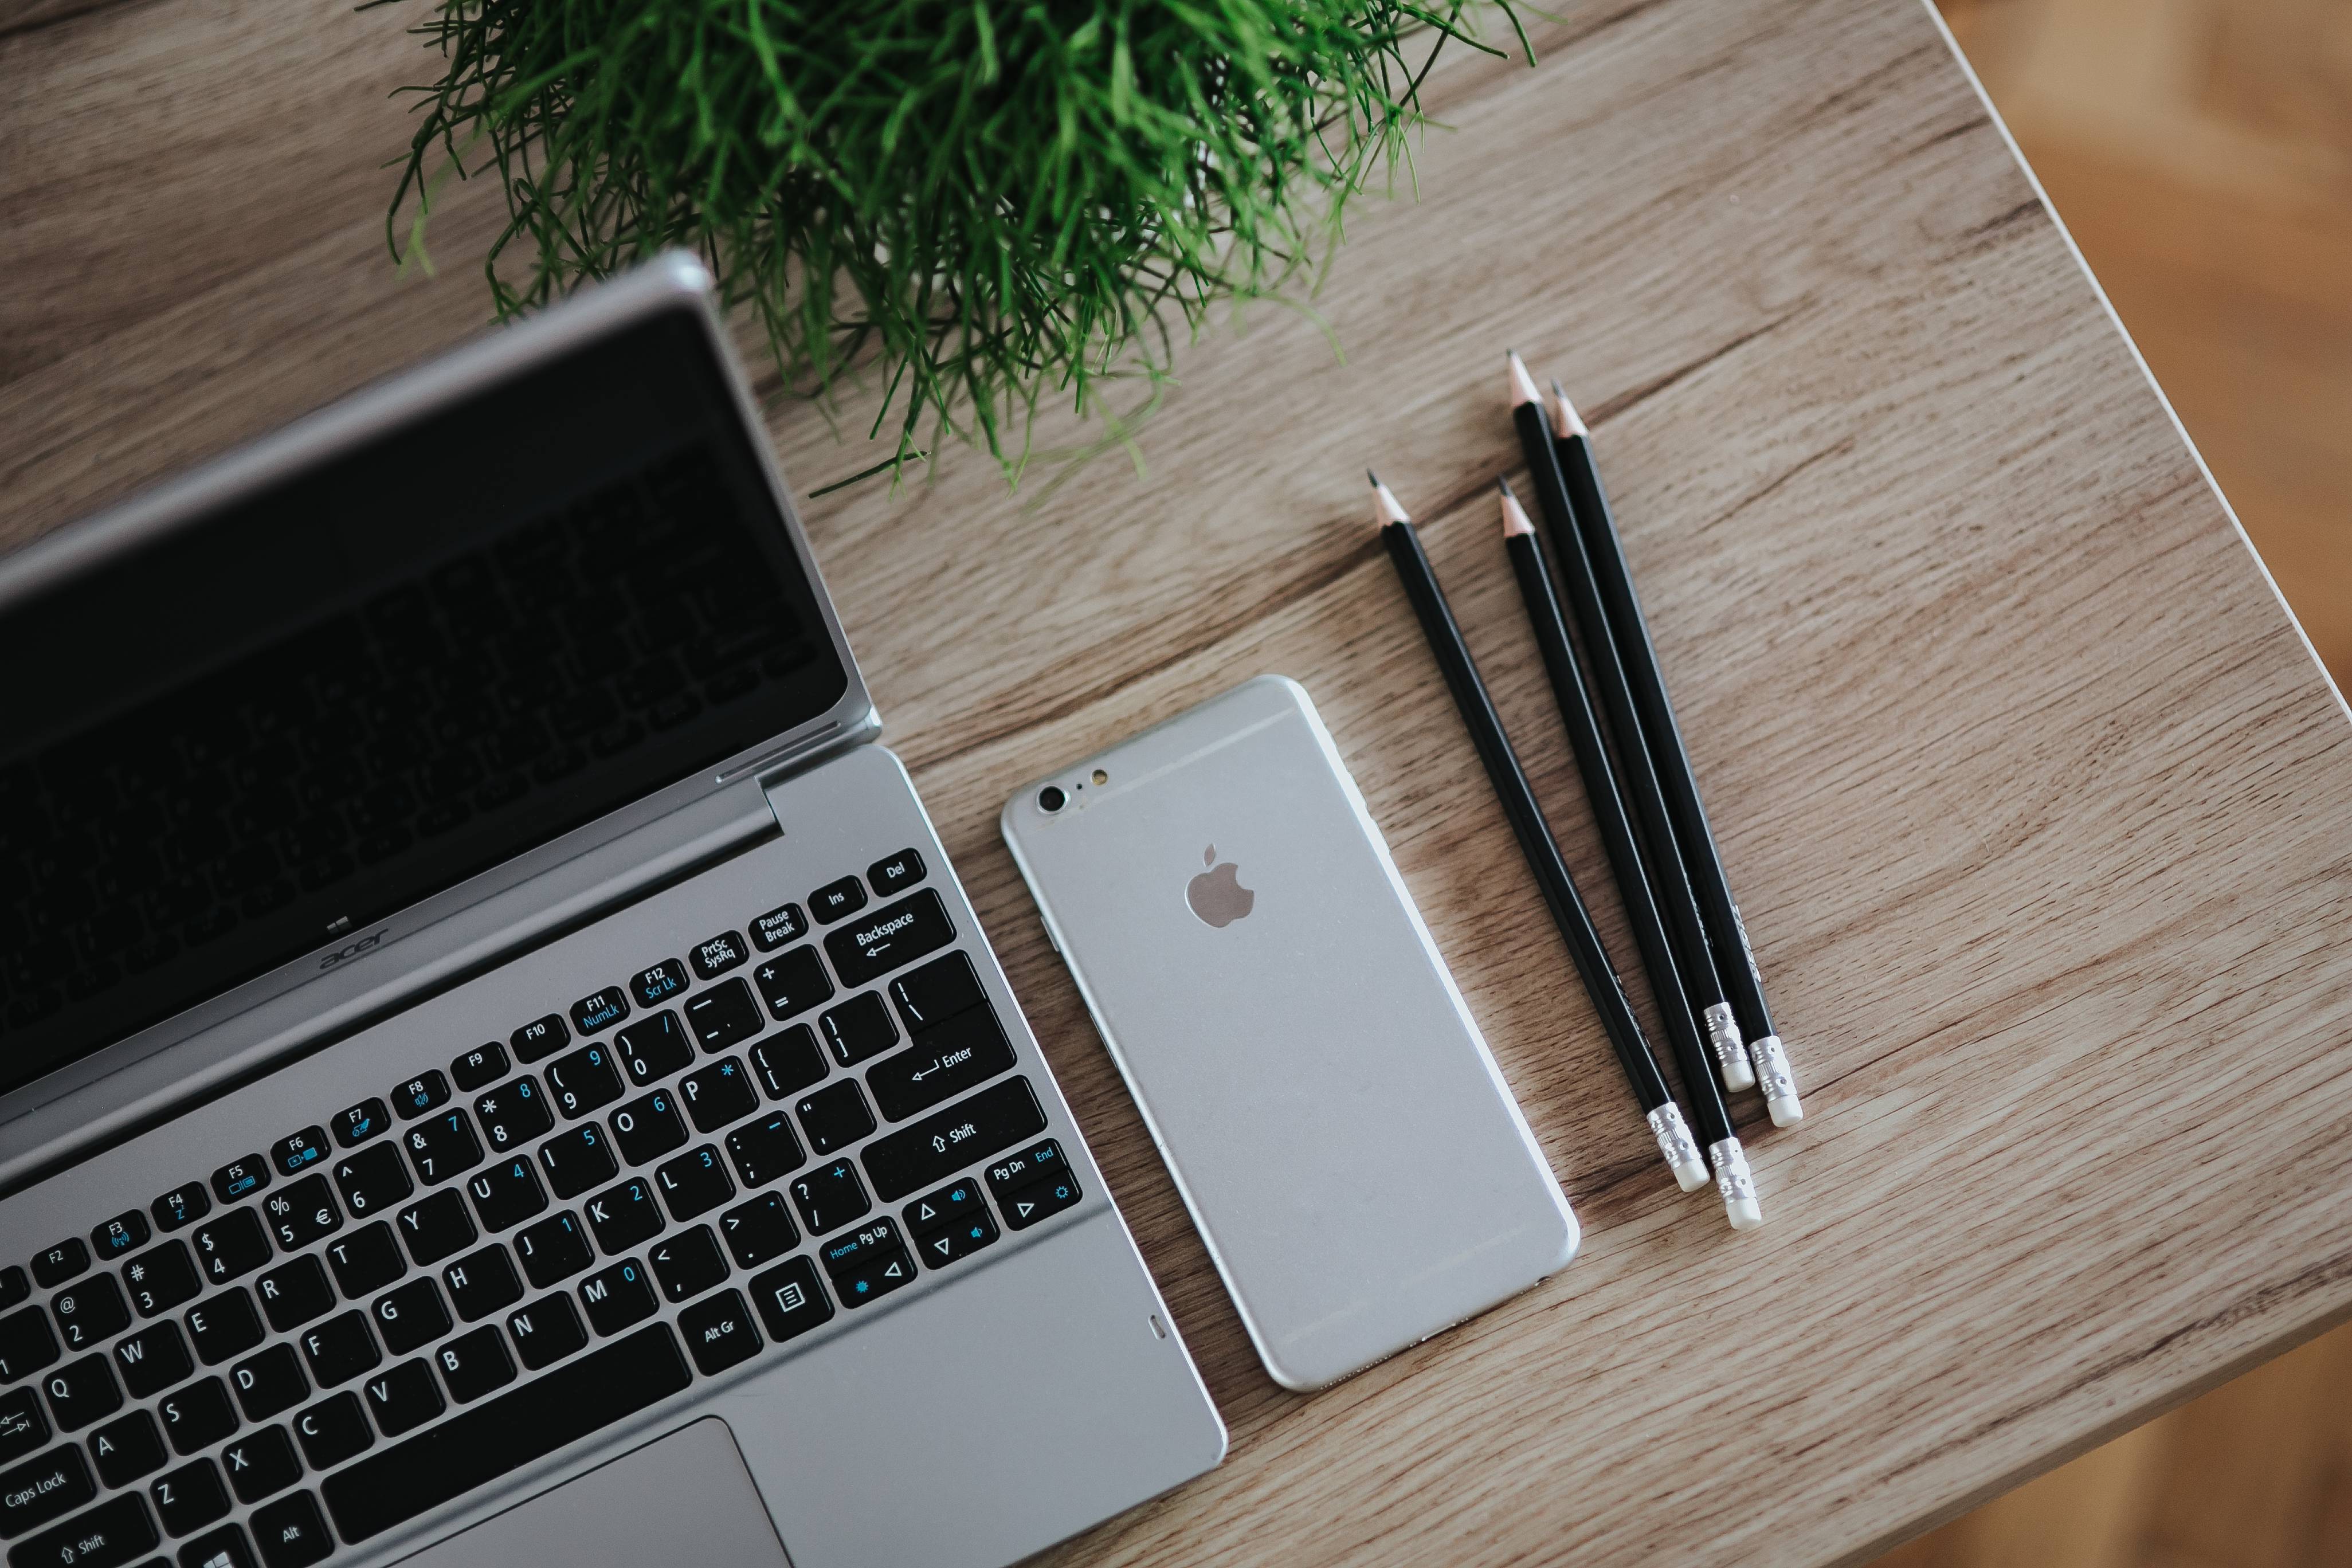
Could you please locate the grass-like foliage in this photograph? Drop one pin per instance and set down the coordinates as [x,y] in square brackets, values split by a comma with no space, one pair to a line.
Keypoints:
[989,202]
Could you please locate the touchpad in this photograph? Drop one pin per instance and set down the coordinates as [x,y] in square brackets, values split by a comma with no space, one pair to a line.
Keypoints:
[685,1498]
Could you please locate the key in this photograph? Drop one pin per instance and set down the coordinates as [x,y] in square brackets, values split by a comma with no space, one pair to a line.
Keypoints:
[354,1125]
[436,1229]
[688,1264]
[404,1398]
[625,1216]
[443,1147]
[943,1062]
[109,1535]
[837,900]
[269,1383]
[694,1183]
[197,1416]
[653,1048]
[858,1028]
[183,1205]
[189,1497]
[936,993]
[789,1063]
[757,1232]
[780,925]
[540,1037]
[333,1431]
[304,1211]
[47,1487]
[765,1150]
[600,1011]
[223,1326]
[241,1178]
[723,1015]
[848,1252]
[15,1286]
[715,957]
[232,1244]
[584,1082]
[23,1425]
[1038,1163]
[546,1332]
[60,1263]
[420,1094]
[481,1283]
[27,1343]
[390,1487]
[875,1279]
[475,1363]
[835,1117]
[934,1148]
[91,1313]
[961,1239]
[261,1463]
[411,1317]
[162,1277]
[718,1094]
[150,1361]
[555,1249]
[617,1297]
[1039,1200]
[294,1294]
[292,1532]
[367,1259]
[373,1179]
[791,1301]
[126,1449]
[792,982]
[652,987]
[946,1208]
[893,874]
[828,1197]
[647,1127]
[892,936]
[482,1066]
[120,1236]
[719,1333]
[340,1350]
[507,1194]
[296,1153]
[513,1114]
[578,1160]
[81,1392]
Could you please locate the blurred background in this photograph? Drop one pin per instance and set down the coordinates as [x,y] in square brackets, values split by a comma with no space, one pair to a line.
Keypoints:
[2201,152]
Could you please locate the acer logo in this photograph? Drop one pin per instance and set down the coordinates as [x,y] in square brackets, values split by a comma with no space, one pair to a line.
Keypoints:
[353,951]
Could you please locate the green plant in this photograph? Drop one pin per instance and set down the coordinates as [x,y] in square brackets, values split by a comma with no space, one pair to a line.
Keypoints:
[986,200]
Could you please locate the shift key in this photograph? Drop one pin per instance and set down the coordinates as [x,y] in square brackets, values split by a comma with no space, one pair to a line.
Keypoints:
[924,1153]
[108,1536]
[873,944]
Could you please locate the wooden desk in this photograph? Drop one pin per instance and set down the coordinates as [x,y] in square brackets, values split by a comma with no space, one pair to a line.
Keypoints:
[2033,795]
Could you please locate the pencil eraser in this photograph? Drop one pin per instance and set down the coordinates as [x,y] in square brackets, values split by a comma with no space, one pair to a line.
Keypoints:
[1737,1073]
[1730,1053]
[1786,1108]
[1737,1183]
[1746,1213]
[1691,1178]
[1777,1079]
[1677,1147]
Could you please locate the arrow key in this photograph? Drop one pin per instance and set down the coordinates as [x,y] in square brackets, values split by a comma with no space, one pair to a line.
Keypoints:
[966,1237]
[880,1276]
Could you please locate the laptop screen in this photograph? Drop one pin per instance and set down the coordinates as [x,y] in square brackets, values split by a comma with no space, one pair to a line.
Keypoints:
[384,675]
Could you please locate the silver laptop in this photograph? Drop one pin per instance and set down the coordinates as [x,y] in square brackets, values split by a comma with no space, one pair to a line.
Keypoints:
[495,1066]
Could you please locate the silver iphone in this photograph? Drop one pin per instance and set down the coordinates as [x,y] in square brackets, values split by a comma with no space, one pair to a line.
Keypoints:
[1309,1071]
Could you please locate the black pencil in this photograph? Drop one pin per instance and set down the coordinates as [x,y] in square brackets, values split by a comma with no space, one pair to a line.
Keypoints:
[1617,1020]
[1732,1177]
[1642,790]
[1613,580]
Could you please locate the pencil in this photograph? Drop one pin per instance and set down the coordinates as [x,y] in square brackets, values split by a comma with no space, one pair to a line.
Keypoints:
[1735,959]
[1665,1118]
[1733,1179]
[1703,990]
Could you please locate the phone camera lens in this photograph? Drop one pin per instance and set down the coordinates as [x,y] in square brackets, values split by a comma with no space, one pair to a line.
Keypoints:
[1050,798]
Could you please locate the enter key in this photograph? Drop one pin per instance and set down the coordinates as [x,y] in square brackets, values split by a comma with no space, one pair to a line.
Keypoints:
[967,1050]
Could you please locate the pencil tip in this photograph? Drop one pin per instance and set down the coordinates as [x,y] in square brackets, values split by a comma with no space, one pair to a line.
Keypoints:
[1373,476]
[1566,421]
[1386,509]
[1515,516]
[1523,385]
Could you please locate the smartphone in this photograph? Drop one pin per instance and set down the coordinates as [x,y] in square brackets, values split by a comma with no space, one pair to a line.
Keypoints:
[1346,1146]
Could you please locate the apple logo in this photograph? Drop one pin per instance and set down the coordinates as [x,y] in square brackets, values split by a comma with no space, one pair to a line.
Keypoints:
[1217,895]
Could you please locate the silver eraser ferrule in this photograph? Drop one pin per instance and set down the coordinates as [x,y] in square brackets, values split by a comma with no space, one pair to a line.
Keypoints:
[1730,1051]
[1777,1079]
[1680,1149]
[1737,1183]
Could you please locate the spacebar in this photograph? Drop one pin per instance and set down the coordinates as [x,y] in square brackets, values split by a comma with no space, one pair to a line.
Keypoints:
[447,1461]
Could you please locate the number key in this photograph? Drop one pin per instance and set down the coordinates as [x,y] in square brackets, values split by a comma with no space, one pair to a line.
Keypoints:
[653,1048]
[443,1147]
[584,1082]
[513,1113]
[27,1345]
[302,1213]
[162,1277]
[373,1179]
[232,1244]
[91,1312]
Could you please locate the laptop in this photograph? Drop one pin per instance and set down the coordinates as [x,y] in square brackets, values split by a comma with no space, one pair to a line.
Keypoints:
[495,1064]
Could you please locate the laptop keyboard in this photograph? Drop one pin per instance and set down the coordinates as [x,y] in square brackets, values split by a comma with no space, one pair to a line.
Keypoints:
[645,1186]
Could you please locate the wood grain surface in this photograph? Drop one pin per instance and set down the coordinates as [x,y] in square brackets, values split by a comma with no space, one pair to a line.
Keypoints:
[2030,787]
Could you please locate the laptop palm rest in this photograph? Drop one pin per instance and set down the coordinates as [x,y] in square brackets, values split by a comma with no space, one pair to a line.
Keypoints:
[685,1498]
